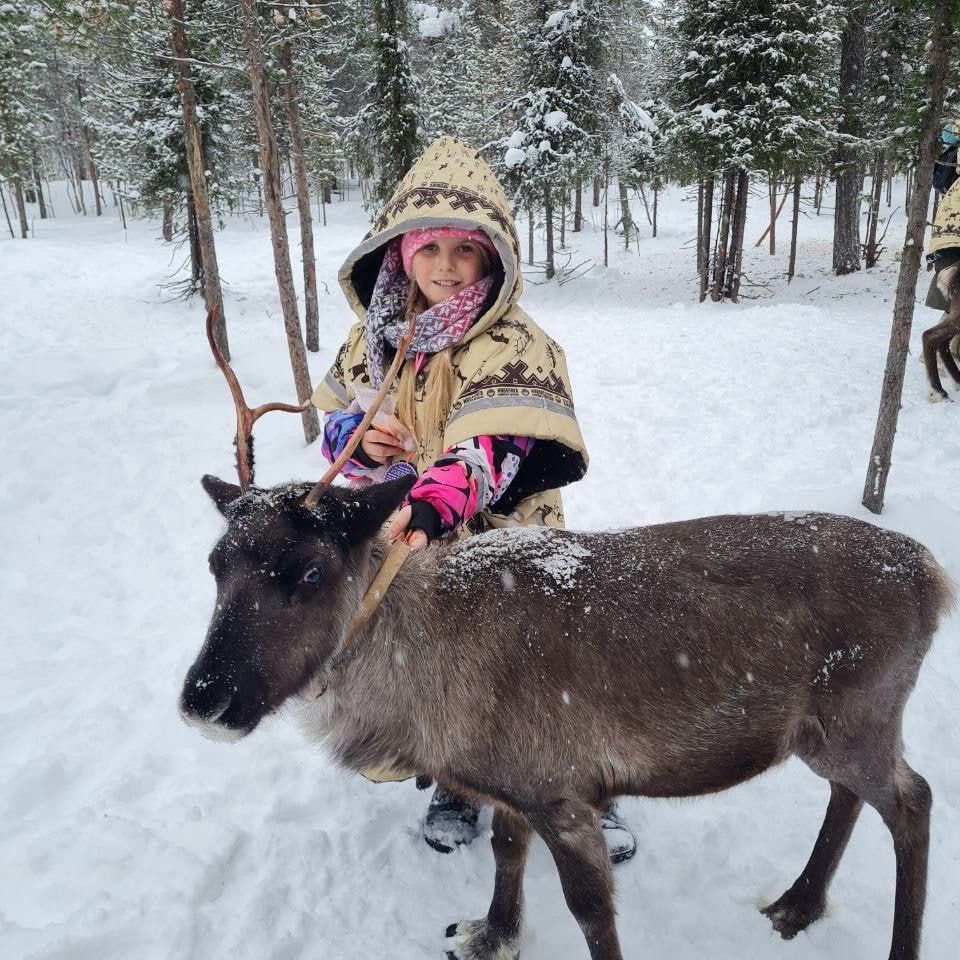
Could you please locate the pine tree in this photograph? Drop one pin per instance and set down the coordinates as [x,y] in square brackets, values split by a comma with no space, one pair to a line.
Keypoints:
[894,44]
[634,145]
[384,135]
[459,58]
[554,143]
[747,98]
[22,110]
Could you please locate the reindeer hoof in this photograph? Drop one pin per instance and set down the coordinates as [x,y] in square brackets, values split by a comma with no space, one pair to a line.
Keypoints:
[789,915]
[940,396]
[477,940]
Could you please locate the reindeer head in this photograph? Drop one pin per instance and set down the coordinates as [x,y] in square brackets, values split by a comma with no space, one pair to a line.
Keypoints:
[291,571]
[289,580]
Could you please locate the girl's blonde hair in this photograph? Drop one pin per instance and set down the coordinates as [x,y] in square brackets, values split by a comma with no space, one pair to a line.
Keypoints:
[438,390]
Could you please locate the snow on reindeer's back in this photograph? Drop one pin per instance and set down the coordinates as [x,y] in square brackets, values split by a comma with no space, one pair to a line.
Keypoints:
[558,556]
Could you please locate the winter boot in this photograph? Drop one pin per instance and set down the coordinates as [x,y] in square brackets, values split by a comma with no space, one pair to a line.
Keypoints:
[450,821]
[621,843]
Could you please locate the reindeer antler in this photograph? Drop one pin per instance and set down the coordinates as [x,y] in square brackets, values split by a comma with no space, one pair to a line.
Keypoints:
[318,491]
[246,417]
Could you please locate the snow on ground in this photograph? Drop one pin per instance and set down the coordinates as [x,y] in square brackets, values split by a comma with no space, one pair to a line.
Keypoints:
[123,834]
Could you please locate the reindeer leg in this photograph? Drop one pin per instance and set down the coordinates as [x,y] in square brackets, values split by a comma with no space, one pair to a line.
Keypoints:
[806,900]
[949,364]
[571,830]
[497,936]
[933,340]
[866,761]
[906,812]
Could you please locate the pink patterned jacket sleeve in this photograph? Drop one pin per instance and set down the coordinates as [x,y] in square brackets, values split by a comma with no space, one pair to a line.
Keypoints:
[467,478]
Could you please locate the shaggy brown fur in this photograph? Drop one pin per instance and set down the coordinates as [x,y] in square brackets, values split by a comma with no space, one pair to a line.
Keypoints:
[547,671]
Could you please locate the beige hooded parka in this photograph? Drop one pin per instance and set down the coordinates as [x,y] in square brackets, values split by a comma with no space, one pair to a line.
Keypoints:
[511,378]
[946,224]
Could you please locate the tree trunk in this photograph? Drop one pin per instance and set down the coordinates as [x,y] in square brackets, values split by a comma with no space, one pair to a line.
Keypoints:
[703,254]
[578,208]
[626,217]
[655,195]
[530,235]
[818,191]
[258,183]
[6,213]
[892,391]
[889,185]
[646,207]
[270,164]
[563,221]
[606,212]
[739,228]
[212,293]
[548,216]
[726,205]
[597,181]
[21,207]
[908,191]
[76,200]
[793,228]
[311,308]
[774,213]
[196,258]
[846,222]
[167,228]
[700,193]
[775,216]
[88,149]
[69,151]
[870,253]
[38,183]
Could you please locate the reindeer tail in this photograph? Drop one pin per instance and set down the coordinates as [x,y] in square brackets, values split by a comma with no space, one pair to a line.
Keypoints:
[940,590]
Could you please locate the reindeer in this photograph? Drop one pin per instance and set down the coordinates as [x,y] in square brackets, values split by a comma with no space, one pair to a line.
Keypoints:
[936,340]
[545,672]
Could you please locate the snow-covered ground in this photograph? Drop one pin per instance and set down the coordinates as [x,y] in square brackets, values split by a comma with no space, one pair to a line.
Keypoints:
[124,834]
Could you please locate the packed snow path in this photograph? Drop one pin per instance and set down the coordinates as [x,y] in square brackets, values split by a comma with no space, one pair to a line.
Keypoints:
[123,834]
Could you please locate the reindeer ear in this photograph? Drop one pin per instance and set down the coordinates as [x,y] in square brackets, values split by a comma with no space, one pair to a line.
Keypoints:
[366,510]
[220,492]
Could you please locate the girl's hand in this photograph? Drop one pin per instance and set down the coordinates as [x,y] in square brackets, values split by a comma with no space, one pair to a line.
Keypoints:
[387,437]
[398,527]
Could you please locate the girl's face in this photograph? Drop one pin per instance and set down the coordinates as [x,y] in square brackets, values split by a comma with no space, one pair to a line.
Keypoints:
[445,266]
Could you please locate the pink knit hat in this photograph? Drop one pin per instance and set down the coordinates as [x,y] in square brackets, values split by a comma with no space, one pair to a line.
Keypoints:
[413,240]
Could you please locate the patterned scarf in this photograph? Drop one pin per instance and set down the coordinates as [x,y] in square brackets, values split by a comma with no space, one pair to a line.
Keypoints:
[437,328]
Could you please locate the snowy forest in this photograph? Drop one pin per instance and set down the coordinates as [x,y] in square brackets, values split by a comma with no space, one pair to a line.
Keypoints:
[724,209]
[168,109]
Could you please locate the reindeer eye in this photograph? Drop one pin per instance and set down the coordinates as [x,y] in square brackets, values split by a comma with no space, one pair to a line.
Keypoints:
[312,575]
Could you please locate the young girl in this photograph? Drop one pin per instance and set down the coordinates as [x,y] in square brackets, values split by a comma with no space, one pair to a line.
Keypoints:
[483,409]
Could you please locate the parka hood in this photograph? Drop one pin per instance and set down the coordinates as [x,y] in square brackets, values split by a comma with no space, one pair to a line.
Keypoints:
[449,185]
